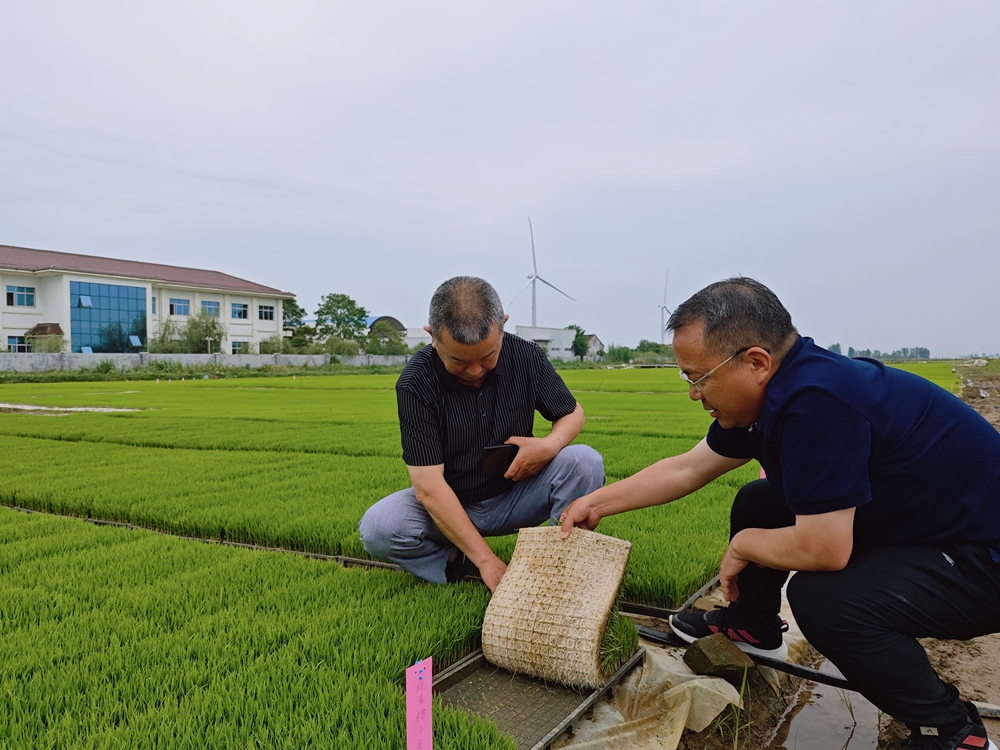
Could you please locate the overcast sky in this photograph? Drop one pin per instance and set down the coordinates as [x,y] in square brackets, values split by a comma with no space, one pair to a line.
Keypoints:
[847,154]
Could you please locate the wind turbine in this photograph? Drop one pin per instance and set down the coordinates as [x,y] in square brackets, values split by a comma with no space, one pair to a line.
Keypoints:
[664,310]
[531,282]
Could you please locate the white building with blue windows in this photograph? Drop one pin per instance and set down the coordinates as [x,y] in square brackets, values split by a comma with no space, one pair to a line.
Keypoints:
[101,304]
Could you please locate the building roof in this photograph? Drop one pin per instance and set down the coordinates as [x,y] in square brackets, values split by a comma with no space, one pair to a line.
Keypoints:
[25,259]
[371,320]
[45,329]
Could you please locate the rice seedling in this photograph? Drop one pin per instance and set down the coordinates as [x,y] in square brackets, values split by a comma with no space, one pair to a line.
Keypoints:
[846,700]
[621,640]
[296,463]
[123,639]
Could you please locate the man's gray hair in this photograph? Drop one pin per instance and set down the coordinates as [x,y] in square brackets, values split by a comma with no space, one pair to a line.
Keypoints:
[468,307]
[736,313]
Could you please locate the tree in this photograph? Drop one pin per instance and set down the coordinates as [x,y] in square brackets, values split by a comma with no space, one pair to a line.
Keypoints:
[47,344]
[198,329]
[167,339]
[302,338]
[384,339]
[651,347]
[579,345]
[851,353]
[291,313]
[275,344]
[835,348]
[341,347]
[341,317]
[619,354]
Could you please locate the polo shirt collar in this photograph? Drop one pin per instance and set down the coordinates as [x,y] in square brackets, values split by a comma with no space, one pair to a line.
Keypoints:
[765,415]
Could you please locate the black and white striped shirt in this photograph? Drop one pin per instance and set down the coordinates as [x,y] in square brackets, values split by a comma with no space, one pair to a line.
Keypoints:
[442,421]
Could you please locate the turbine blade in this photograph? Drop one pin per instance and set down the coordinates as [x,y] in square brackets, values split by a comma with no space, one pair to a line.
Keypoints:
[534,263]
[520,293]
[556,288]
[665,281]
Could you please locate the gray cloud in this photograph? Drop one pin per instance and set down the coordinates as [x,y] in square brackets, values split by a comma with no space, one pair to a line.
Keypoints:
[846,154]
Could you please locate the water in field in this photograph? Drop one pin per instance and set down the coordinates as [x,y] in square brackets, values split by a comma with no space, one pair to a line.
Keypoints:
[821,720]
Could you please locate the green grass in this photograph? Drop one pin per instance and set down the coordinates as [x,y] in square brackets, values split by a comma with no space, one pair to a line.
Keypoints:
[122,639]
[295,463]
[111,638]
[936,371]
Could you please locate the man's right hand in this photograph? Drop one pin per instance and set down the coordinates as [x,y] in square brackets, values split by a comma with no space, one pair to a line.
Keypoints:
[492,571]
[580,512]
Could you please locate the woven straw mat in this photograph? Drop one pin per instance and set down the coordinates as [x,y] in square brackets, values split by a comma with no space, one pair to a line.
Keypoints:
[547,616]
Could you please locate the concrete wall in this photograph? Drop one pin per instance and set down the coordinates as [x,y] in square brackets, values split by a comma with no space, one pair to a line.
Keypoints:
[365,360]
[65,361]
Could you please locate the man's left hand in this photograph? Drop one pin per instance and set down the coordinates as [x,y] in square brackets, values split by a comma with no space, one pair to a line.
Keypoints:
[729,571]
[533,454]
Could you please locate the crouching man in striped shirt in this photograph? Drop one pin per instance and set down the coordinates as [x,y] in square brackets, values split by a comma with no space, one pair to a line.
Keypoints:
[476,386]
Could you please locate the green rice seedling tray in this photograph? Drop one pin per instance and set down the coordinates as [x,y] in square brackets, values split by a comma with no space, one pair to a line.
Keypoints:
[533,712]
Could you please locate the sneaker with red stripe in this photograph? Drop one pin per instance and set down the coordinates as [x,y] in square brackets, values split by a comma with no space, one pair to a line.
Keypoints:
[970,737]
[752,636]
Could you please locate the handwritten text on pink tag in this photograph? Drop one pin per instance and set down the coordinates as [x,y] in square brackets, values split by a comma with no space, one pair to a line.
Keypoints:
[418,706]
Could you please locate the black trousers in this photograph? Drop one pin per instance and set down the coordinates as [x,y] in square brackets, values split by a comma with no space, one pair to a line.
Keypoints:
[866,618]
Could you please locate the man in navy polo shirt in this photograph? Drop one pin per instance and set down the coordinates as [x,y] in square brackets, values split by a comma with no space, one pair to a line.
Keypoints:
[882,490]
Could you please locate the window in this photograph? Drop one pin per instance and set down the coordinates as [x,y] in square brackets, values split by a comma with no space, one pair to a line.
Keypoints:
[241,347]
[210,308]
[154,305]
[241,311]
[265,312]
[103,317]
[179,306]
[16,343]
[21,296]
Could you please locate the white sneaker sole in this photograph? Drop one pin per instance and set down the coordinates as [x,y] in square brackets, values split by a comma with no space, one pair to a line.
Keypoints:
[780,653]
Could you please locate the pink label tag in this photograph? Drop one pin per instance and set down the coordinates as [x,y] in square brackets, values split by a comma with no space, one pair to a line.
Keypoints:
[418,706]
[763,474]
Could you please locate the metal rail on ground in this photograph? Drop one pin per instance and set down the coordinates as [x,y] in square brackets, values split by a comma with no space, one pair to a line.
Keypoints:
[533,712]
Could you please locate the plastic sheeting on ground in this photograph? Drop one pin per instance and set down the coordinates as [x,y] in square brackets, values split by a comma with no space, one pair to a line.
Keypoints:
[653,705]
[651,708]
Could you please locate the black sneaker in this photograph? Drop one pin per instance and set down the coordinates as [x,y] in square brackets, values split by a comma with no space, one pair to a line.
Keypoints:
[970,737]
[458,569]
[749,636]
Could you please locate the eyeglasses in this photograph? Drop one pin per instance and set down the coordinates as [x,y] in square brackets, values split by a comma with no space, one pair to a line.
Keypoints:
[695,383]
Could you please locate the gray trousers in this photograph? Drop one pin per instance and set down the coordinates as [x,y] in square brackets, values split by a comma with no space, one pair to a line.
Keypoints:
[399,529]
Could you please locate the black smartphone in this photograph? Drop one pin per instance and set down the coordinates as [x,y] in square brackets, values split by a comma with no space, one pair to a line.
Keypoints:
[498,458]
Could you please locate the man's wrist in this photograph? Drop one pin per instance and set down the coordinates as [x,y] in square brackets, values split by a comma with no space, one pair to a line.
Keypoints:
[736,545]
[553,445]
[483,558]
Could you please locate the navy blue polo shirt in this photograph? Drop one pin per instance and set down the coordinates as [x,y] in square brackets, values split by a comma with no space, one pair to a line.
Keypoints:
[920,466]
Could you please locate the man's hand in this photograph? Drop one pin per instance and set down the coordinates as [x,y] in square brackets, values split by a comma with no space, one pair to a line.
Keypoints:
[492,571]
[580,512]
[533,455]
[729,571]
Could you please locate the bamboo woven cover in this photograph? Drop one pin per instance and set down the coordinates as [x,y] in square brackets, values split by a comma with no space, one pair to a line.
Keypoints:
[547,616]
